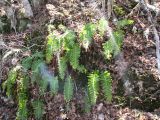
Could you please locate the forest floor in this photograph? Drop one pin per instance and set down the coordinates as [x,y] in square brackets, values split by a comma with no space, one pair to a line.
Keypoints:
[138,52]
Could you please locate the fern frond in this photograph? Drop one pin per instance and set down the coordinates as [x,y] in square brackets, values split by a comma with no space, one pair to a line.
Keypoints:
[36,70]
[43,83]
[87,104]
[22,112]
[11,80]
[54,85]
[113,46]
[68,89]
[26,63]
[93,87]
[124,22]
[108,49]
[52,46]
[106,82]
[22,87]
[74,55]
[62,65]
[119,36]
[69,39]
[102,26]
[86,34]
[38,107]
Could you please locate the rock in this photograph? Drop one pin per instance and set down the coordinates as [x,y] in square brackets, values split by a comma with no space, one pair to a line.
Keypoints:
[101,116]
[27,10]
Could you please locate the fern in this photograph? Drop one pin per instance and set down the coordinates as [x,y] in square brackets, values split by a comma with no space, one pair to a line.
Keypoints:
[119,36]
[38,107]
[54,85]
[69,39]
[68,89]
[22,87]
[22,110]
[87,104]
[102,26]
[52,46]
[106,81]
[93,87]
[35,67]
[26,63]
[112,47]
[9,83]
[108,49]
[86,34]
[124,22]
[62,65]
[74,55]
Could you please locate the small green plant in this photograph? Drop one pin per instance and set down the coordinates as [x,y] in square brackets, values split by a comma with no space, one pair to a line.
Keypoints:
[11,80]
[106,82]
[86,34]
[87,103]
[54,86]
[102,26]
[113,46]
[68,89]
[62,67]
[95,79]
[93,87]
[65,48]
[38,107]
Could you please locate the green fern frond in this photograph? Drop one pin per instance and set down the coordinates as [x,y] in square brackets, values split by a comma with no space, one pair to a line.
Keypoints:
[43,83]
[52,46]
[106,82]
[69,39]
[93,87]
[22,112]
[62,66]
[87,104]
[35,77]
[38,55]
[119,36]
[11,80]
[23,82]
[124,22]
[26,63]
[108,49]
[113,47]
[102,26]
[68,89]
[74,55]
[38,107]
[86,34]
[22,87]
[54,85]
